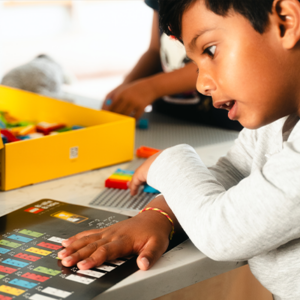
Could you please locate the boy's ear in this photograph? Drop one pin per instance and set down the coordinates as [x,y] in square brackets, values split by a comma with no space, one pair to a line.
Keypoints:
[287,18]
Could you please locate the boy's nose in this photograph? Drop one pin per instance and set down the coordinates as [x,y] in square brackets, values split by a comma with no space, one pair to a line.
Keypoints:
[205,85]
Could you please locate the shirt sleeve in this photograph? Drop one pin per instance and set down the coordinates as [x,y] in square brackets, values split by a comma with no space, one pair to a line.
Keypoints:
[258,214]
[236,165]
[153,4]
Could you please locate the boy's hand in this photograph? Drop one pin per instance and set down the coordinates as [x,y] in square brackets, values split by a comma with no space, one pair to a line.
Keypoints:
[130,99]
[146,235]
[141,173]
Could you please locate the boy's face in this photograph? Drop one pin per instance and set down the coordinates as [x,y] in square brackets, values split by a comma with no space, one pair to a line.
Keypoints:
[248,73]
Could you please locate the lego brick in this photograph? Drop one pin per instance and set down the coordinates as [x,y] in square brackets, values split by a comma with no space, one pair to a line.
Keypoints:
[27,257]
[31,233]
[150,189]
[76,127]
[106,268]
[10,137]
[36,277]
[22,130]
[23,283]
[56,292]
[24,137]
[9,244]
[19,238]
[117,262]
[27,130]
[145,152]
[7,270]
[108,102]
[2,297]
[38,251]
[46,128]
[11,290]
[124,172]
[4,139]
[91,273]
[3,250]
[120,177]
[143,124]
[2,276]
[40,297]
[49,246]
[116,184]
[80,279]
[3,121]
[35,135]
[47,271]
[16,130]
[16,263]
[56,239]
[34,210]
[64,129]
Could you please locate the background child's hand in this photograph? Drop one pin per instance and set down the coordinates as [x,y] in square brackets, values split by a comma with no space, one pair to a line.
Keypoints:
[146,235]
[140,175]
[130,99]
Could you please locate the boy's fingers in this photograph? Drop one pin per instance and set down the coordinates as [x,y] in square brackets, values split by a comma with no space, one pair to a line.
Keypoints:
[150,254]
[81,250]
[105,252]
[78,236]
[77,244]
[134,185]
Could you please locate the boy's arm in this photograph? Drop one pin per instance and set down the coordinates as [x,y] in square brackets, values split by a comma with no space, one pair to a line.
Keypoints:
[257,215]
[236,164]
[146,235]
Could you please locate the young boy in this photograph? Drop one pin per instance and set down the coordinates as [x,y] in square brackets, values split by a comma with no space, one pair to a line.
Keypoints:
[246,207]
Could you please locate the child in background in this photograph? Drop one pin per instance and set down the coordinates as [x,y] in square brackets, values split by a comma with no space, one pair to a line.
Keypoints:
[164,77]
[247,206]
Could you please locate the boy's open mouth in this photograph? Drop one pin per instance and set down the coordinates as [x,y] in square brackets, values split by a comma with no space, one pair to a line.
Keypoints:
[230,106]
[227,105]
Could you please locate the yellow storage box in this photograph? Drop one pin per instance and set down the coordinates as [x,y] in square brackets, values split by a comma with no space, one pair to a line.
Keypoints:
[107,139]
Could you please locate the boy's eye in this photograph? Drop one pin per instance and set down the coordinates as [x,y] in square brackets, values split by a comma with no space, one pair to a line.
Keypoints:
[210,50]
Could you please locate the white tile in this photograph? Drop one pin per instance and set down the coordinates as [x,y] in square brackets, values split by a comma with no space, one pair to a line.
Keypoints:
[56,292]
[80,279]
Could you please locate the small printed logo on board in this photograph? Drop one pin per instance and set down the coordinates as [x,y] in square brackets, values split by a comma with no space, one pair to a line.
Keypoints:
[70,217]
[34,210]
[73,152]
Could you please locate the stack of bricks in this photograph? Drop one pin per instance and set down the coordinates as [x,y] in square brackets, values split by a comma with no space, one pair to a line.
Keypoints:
[119,179]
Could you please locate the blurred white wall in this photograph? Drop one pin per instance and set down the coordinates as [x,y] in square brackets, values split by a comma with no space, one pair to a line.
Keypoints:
[90,38]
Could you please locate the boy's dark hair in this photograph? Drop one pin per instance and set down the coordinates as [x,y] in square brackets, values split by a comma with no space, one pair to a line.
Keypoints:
[256,11]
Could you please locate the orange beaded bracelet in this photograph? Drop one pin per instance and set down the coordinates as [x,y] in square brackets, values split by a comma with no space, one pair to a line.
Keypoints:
[163,213]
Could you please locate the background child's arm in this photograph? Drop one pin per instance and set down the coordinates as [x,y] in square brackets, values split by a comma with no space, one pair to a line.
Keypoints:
[146,235]
[144,84]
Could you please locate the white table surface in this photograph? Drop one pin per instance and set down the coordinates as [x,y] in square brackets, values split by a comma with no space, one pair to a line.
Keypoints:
[184,265]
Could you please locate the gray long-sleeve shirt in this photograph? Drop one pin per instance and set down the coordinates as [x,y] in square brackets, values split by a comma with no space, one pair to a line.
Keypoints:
[246,207]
